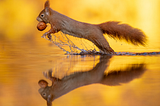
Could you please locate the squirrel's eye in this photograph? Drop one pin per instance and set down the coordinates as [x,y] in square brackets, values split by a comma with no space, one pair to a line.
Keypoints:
[42,15]
[44,94]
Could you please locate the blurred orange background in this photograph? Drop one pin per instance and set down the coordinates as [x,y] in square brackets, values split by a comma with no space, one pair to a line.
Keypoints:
[18,17]
[24,55]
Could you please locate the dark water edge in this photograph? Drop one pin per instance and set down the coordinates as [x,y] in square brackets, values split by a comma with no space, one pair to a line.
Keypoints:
[115,53]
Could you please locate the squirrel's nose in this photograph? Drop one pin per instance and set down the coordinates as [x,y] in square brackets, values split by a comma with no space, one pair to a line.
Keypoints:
[39,19]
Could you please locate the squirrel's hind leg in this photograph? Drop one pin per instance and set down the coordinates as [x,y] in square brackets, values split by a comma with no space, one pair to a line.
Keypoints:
[102,44]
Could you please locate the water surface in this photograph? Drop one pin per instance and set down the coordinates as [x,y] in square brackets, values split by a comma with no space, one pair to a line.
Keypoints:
[22,64]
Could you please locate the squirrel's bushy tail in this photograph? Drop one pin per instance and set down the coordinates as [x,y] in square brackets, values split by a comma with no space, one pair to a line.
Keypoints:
[120,31]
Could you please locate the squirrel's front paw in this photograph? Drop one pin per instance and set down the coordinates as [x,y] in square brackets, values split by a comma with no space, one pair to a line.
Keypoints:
[49,36]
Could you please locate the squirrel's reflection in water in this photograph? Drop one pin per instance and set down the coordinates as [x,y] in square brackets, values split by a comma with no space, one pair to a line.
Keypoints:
[70,82]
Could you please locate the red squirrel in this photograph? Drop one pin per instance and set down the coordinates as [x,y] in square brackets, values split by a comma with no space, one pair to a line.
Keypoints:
[91,32]
[75,80]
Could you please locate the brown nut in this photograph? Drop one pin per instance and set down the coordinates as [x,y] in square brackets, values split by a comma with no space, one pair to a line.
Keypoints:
[41,26]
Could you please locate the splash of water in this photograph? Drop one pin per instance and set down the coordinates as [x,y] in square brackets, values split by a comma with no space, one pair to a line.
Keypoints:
[63,42]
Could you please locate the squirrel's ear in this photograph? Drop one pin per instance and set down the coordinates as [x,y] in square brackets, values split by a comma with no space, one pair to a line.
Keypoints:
[47,9]
[43,83]
[46,4]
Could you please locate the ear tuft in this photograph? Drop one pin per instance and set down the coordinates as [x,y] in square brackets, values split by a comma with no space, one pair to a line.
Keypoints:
[47,8]
[47,4]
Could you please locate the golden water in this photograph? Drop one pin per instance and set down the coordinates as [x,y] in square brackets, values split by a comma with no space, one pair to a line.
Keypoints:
[24,55]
